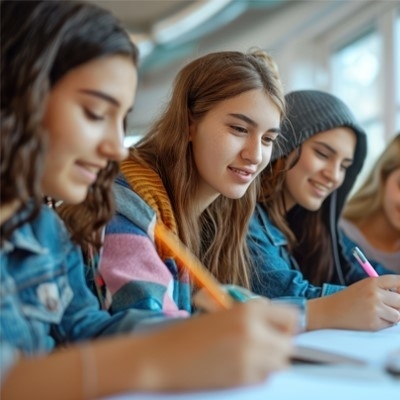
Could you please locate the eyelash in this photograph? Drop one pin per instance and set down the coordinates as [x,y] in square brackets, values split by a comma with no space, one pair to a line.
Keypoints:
[268,140]
[323,155]
[239,129]
[91,115]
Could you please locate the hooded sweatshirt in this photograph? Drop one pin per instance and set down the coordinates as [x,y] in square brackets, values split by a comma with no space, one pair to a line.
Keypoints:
[277,272]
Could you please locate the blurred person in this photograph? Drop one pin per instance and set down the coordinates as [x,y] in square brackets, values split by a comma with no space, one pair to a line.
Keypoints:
[371,218]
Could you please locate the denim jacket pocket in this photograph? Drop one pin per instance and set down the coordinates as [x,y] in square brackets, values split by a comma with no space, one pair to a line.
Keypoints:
[46,298]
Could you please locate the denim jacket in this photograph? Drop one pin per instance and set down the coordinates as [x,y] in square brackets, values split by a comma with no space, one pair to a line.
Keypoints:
[44,300]
[276,271]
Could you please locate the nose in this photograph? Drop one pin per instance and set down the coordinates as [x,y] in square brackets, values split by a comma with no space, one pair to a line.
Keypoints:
[334,172]
[112,147]
[253,150]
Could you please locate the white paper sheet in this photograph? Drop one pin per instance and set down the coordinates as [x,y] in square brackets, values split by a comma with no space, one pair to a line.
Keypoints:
[316,382]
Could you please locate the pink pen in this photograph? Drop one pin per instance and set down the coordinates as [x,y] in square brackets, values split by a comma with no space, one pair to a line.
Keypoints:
[362,260]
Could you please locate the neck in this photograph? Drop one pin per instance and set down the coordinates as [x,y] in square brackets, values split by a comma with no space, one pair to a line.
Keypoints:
[8,210]
[380,232]
[201,201]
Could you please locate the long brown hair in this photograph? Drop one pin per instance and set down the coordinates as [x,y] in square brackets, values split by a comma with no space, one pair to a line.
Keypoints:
[40,42]
[218,239]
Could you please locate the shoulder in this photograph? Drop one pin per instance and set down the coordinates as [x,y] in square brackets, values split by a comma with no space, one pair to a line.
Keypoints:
[131,206]
[260,216]
[48,227]
[346,241]
[348,227]
[350,235]
[261,225]
[45,237]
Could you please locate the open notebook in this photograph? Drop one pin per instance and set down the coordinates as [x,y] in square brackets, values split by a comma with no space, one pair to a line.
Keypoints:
[335,346]
[308,354]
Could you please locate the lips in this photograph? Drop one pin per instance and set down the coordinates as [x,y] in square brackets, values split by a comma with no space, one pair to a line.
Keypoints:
[319,186]
[242,171]
[322,189]
[242,175]
[89,171]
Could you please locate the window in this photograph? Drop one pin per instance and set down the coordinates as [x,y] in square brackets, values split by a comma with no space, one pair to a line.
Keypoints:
[364,70]
[356,70]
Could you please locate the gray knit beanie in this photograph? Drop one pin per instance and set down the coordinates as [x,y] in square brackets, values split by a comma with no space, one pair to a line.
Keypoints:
[310,112]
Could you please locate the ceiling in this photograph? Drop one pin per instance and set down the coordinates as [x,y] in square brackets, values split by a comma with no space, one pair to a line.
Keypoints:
[142,14]
[170,33]
[167,31]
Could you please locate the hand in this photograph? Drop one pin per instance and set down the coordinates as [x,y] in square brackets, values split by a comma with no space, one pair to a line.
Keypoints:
[239,346]
[370,304]
[203,301]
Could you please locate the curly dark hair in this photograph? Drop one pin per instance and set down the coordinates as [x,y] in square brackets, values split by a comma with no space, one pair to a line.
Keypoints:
[40,42]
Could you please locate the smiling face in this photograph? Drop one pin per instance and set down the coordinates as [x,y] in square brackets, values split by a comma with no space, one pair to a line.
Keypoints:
[232,143]
[391,199]
[320,169]
[84,117]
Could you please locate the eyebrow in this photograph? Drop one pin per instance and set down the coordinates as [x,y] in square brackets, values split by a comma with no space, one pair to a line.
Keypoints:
[253,123]
[105,97]
[331,149]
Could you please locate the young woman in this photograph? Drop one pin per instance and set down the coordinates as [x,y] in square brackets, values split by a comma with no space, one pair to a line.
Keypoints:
[371,219]
[68,77]
[194,173]
[293,233]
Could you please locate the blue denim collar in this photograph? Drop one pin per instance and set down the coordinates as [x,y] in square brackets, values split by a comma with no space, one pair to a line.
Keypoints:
[273,233]
[24,238]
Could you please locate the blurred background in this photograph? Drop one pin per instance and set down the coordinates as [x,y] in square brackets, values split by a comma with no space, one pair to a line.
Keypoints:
[348,47]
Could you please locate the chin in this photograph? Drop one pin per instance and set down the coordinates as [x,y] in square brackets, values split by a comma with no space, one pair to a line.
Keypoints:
[311,206]
[235,196]
[74,198]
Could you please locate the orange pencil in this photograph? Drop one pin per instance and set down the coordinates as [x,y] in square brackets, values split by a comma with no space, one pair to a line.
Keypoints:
[196,269]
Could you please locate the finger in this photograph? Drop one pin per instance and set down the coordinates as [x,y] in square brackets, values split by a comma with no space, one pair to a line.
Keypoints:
[203,301]
[390,314]
[391,299]
[281,350]
[389,282]
[283,318]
